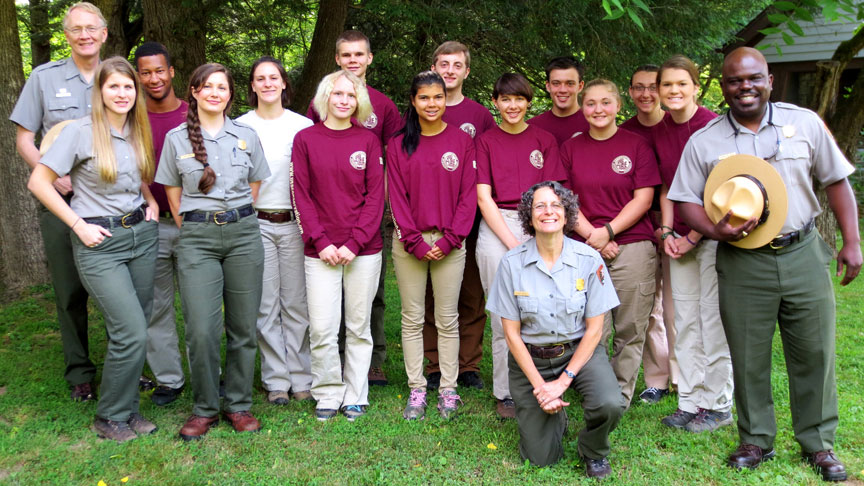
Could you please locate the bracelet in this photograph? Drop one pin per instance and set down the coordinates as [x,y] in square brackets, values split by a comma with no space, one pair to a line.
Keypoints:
[666,235]
[76,222]
[690,241]
[611,233]
[667,227]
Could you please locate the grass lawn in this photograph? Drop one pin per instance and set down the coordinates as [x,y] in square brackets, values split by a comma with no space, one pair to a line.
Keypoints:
[45,438]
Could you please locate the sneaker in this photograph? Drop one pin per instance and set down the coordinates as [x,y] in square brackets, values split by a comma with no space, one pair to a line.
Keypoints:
[377,377]
[141,425]
[83,392]
[678,419]
[325,414]
[164,395]
[448,403]
[433,381]
[302,396]
[278,397]
[652,395]
[416,408]
[470,379]
[708,420]
[110,429]
[353,412]
[506,408]
[145,384]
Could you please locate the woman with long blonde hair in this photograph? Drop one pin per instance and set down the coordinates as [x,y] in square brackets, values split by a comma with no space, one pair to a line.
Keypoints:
[113,217]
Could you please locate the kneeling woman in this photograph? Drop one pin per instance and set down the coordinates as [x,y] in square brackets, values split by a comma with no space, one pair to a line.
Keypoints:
[551,293]
[109,156]
[211,168]
[338,188]
[431,177]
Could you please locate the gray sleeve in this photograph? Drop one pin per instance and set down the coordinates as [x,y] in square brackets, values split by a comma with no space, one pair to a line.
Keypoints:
[167,173]
[260,167]
[689,182]
[829,163]
[601,295]
[29,108]
[64,152]
[501,300]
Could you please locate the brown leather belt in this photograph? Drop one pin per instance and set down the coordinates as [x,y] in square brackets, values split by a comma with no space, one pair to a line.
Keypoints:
[783,241]
[278,217]
[551,351]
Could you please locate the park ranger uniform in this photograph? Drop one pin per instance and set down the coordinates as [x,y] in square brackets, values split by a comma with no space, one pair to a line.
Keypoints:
[219,255]
[551,306]
[56,91]
[788,280]
[118,272]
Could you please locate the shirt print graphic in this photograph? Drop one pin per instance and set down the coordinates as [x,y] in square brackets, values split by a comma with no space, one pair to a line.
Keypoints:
[358,160]
[536,158]
[450,161]
[371,122]
[469,129]
[622,164]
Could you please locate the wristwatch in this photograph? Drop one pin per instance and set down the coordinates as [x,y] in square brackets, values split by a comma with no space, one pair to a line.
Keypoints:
[569,374]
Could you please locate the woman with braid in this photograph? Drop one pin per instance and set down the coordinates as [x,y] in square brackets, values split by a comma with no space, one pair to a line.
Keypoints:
[211,168]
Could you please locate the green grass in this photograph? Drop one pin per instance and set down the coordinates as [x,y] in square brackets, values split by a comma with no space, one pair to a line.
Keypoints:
[45,438]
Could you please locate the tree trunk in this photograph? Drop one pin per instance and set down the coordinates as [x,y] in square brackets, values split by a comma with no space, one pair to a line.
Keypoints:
[179,25]
[22,261]
[320,60]
[122,34]
[40,32]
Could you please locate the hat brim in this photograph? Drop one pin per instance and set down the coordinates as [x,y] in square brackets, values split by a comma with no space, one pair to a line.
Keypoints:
[770,179]
[51,135]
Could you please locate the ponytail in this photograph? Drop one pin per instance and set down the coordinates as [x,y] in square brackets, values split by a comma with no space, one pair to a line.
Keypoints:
[411,129]
[193,128]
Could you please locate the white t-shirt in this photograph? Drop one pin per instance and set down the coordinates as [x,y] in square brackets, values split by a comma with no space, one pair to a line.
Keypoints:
[277,138]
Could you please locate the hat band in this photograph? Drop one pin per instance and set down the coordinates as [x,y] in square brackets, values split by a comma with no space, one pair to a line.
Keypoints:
[765,211]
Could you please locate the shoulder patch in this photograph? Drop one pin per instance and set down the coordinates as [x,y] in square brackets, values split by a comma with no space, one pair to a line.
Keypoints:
[600,275]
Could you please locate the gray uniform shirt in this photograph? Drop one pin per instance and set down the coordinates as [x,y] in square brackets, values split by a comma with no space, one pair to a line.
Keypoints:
[551,305]
[72,153]
[235,153]
[805,151]
[54,92]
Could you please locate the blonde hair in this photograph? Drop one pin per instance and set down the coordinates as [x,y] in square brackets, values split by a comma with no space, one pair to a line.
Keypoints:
[140,136]
[87,7]
[325,87]
[612,87]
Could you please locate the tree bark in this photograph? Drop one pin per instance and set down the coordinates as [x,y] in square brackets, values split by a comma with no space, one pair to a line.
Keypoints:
[22,261]
[40,32]
[179,25]
[320,60]
[122,33]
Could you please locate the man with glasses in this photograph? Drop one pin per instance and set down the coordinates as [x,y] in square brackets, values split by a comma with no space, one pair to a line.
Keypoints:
[58,91]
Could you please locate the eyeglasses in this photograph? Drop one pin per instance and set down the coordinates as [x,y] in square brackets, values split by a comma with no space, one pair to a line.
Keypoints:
[556,206]
[641,89]
[91,29]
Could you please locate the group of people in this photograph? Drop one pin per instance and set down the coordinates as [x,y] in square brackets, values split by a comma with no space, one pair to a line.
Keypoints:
[575,229]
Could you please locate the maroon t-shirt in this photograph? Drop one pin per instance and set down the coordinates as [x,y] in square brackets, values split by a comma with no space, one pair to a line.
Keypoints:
[635,126]
[160,125]
[337,181]
[511,164]
[434,188]
[669,139]
[471,117]
[384,122]
[563,127]
[606,173]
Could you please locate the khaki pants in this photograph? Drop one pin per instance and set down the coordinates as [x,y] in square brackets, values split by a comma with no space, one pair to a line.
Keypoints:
[446,275]
[163,352]
[701,349]
[332,386]
[490,251]
[283,320]
[118,274]
[632,273]
[659,364]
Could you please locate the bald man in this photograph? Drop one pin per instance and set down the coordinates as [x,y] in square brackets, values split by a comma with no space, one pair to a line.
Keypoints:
[787,281]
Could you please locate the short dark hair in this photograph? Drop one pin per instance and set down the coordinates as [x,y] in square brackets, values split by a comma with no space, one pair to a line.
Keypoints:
[569,200]
[286,93]
[565,62]
[353,36]
[151,49]
[645,68]
[512,84]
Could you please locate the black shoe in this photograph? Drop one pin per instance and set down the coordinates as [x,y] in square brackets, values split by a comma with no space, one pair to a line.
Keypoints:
[652,395]
[145,384]
[597,468]
[470,379]
[433,381]
[83,392]
[164,395]
[827,464]
[749,456]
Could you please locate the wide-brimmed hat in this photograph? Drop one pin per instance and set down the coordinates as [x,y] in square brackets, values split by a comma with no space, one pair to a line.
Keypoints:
[51,135]
[750,188]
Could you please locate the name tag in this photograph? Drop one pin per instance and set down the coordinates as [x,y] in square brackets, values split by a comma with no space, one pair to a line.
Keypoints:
[580,284]
[62,93]
[187,156]
[521,293]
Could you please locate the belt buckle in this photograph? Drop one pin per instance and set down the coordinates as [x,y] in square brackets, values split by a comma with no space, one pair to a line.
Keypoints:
[123,220]
[563,348]
[779,245]
[216,218]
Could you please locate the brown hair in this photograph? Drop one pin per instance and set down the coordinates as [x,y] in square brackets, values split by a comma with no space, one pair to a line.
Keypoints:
[353,36]
[679,62]
[193,123]
[286,93]
[452,47]
[513,84]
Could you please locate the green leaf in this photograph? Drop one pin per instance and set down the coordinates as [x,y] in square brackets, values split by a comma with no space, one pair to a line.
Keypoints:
[784,5]
[777,18]
[617,4]
[642,5]
[795,28]
[787,38]
[770,30]
[606,7]
[614,15]
[777,48]
[804,14]
[635,18]
[810,3]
